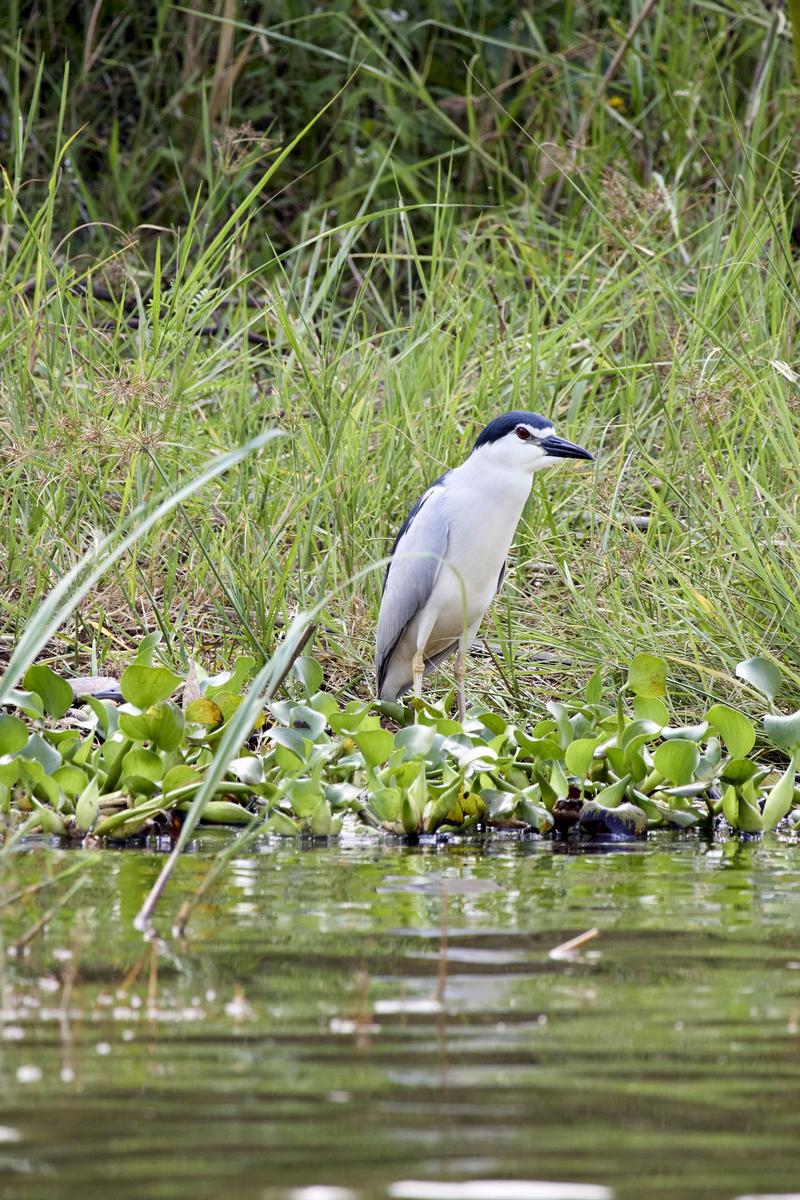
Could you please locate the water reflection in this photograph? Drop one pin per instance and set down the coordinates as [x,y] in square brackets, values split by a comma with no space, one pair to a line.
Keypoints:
[364,1017]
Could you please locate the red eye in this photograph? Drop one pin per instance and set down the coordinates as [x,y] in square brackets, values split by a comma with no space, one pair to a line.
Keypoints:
[523,433]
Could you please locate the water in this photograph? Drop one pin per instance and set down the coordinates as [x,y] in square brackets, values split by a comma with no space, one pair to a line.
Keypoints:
[361,1016]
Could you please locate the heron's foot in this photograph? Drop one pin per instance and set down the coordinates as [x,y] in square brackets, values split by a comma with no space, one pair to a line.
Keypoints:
[459,670]
[417,671]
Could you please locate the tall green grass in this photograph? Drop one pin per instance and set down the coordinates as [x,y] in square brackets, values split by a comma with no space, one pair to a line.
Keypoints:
[400,278]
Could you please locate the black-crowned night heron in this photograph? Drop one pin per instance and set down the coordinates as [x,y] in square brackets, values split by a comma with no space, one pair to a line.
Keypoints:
[448,560]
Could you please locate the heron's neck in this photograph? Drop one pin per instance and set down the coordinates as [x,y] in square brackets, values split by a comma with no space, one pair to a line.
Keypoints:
[494,482]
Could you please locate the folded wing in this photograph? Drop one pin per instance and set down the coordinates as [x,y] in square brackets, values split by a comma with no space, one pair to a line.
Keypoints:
[416,561]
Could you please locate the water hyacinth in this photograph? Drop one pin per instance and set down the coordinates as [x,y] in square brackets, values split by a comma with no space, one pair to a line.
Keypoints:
[613,764]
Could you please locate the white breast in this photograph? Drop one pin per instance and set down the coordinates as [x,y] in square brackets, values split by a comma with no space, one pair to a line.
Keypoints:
[483,511]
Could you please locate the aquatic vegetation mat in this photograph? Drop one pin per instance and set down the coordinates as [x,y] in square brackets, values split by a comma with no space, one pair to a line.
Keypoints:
[611,760]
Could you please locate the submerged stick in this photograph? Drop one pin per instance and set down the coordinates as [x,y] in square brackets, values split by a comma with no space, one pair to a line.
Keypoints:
[567,949]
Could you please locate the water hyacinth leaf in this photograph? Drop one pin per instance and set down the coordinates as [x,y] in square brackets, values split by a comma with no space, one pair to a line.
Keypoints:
[784,732]
[143,763]
[341,795]
[535,815]
[145,655]
[738,770]
[56,694]
[472,756]
[387,804]
[249,770]
[28,702]
[750,818]
[493,722]
[179,776]
[561,716]
[13,734]
[647,676]
[693,733]
[310,722]
[634,764]
[309,672]
[499,805]
[761,674]
[709,760]
[67,740]
[579,756]
[650,708]
[581,725]
[781,797]
[537,748]
[610,797]
[466,810]
[72,780]
[349,721]
[134,725]
[231,681]
[443,725]
[639,731]
[542,729]
[49,821]
[107,715]
[321,822]
[230,702]
[409,817]
[281,824]
[288,760]
[616,759]
[324,703]
[83,753]
[442,802]
[162,724]
[735,730]
[145,686]
[677,760]
[416,740]
[558,781]
[204,712]
[290,739]
[375,745]
[87,806]
[41,751]
[222,812]
[10,772]
[303,794]
[680,818]
[402,775]
[47,789]
[730,805]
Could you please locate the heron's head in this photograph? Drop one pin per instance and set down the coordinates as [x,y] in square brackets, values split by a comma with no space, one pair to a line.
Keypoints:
[525,441]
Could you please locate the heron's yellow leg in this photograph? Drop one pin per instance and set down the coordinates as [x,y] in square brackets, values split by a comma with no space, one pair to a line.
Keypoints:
[459,670]
[417,671]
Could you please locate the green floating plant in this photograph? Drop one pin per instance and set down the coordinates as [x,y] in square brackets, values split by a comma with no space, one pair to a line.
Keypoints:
[616,765]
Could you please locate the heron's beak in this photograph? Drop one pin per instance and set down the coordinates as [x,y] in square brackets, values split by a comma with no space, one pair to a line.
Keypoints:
[557,447]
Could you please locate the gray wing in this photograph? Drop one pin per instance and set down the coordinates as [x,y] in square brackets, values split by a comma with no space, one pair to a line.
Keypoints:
[416,561]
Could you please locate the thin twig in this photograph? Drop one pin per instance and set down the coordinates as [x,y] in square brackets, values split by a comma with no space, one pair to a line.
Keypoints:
[567,949]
